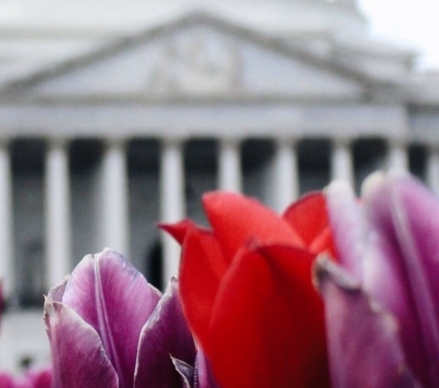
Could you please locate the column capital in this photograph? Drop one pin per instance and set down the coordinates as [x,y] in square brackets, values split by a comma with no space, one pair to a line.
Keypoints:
[342,141]
[5,141]
[115,142]
[231,140]
[289,141]
[177,141]
[58,141]
[398,141]
[432,147]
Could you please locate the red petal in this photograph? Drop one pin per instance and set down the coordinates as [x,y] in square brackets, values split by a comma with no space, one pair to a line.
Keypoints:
[237,220]
[267,326]
[178,230]
[324,243]
[202,267]
[310,220]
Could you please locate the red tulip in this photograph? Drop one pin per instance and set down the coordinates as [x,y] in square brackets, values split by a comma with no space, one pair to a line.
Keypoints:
[247,291]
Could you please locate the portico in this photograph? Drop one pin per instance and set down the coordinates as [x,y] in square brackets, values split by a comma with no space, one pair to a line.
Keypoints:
[171,90]
[121,201]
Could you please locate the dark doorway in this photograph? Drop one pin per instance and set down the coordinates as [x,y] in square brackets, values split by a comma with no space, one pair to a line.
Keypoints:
[154,265]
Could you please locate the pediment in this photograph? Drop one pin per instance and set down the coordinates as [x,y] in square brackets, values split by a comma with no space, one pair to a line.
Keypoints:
[195,57]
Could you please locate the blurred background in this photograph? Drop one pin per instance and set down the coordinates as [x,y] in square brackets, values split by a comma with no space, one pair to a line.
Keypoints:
[115,115]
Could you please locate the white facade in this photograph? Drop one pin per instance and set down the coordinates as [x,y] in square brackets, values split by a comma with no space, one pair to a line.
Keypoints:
[110,124]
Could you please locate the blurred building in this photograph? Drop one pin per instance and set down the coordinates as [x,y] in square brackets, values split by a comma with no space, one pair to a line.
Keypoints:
[116,115]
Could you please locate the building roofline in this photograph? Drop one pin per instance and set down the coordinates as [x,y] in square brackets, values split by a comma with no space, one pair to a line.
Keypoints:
[194,17]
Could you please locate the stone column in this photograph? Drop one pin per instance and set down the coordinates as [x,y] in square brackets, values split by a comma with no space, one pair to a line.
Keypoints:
[114,188]
[172,205]
[341,161]
[229,165]
[286,177]
[433,168]
[397,156]
[6,221]
[57,211]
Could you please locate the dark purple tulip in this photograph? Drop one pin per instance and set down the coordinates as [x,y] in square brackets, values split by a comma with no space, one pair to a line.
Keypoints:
[389,248]
[203,375]
[199,376]
[109,328]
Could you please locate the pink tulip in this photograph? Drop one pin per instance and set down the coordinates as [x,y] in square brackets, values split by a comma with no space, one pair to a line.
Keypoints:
[382,306]
[108,328]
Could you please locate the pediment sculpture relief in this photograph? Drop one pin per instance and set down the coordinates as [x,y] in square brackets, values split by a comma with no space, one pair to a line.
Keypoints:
[195,65]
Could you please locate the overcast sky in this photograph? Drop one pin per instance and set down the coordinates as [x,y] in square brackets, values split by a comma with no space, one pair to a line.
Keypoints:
[414,22]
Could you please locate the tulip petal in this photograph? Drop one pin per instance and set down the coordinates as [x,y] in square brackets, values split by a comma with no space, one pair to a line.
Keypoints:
[202,267]
[178,230]
[203,372]
[78,356]
[6,380]
[363,341]
[404,216]
[56,293]
[185,371]
[309,219]
[267,327]
[40,378]
[348,227]
[165,334]
[237,220]
[115,299]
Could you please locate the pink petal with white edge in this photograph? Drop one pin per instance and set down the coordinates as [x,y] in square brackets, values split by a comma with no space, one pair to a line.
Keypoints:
[347,225]
[402,271]
[115,299]
[165,334]
[363,341]
[78,357]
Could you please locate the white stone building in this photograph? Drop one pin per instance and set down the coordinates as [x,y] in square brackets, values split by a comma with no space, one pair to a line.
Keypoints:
[115,116]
